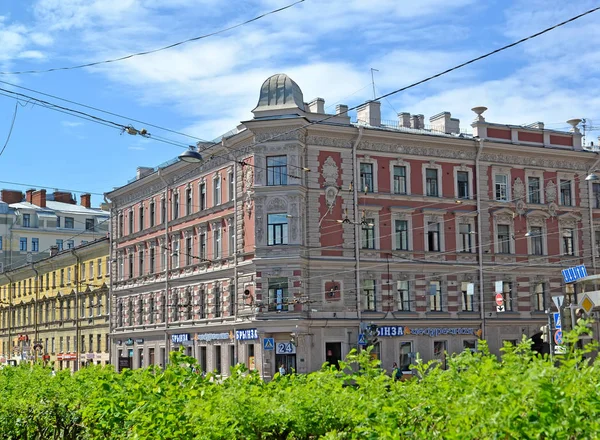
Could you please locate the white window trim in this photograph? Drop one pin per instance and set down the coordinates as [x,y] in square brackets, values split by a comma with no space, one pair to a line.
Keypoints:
[437,218]
[468,170]
[406,165]
[570,177]
[375,216]
[569,222]
[373,162]
[411,302]
[465,220]
[539,174]
[408,218]
[429,296]
[432,165]
[216,177]
[506,172]
[217,225]
[537,219]
[504,218]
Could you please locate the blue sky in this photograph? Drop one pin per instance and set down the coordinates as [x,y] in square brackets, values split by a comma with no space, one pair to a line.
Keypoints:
[327,46]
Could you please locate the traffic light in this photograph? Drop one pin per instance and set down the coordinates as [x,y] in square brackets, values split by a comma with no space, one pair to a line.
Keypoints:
[545,333]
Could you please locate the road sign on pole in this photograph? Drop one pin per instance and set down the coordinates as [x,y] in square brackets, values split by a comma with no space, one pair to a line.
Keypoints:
[558,337]
[587,304]
[361,339]
[499,299]
[558,301]
[557,323]
[572,274]
[268,344]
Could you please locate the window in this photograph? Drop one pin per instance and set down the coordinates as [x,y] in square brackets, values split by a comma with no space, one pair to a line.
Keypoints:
[369,298]
[151,309]
[366,177]
[540,297]
[175,205]
[35,244]
[0,243]
[503,239]
[69,223]
[501,187]
[401,229]
[217,190]
[83,273]
[202,197]
[120,225]
[68,275]
[89,222]
[26,220]
[203,302]
[231,238]
[163,210]
[536,240]
[433,236]
[597,240]
[278,294]
[217,300]
[468,293]
[140,263]
[70,244]
[188,251]
[470,345]
[507,293]
[406,355]
[533,190]
[99,267]
[568,248]
[152,213]
[462,183]
[368,233]
[121,269]
[23,244]
[277,229]
[439,352]
[402,296]
[399,180]
[98,343]
[230,186]
[217,242]
[435,296]
[218,359]
[188,201]
[175,253]
[57,221]
[431,182]
[277,170]
[565,193]
[596,190]
[130,221]
[464,232]
[152,261]
[202,246]
[131,265]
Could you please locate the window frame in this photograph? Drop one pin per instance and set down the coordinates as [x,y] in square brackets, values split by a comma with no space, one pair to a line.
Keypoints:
[367,177]
[430,181]
[435,300]
[276,173]
[402,297]
[273,228]
[369,294]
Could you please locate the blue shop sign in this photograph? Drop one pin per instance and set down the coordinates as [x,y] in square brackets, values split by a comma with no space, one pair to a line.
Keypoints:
[390,330]
[246,335]
[180,338]
[396,330]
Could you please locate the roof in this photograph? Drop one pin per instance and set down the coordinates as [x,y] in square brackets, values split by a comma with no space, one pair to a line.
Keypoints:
[279,92]
[52,206]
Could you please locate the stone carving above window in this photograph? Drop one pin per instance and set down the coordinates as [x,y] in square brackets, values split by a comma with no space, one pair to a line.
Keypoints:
[330,171]
[551,192]
[518,189]
[277,204]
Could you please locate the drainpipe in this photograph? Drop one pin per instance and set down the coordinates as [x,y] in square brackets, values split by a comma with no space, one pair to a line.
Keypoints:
[167,260]
[590,212]
[355,179]
[35,309]
[76,273]
[112,260]
[480,244]
[10,304]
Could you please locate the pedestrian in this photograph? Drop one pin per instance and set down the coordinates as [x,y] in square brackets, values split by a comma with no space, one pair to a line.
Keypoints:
[282,370]
[396,372]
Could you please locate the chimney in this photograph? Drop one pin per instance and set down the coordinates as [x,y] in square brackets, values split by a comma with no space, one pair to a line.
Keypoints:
[53,250]
[445,123]
[29,195]
[143,172]
[369,113]
[404,119]
[64,197]
[417,122]
[86,200]
[317,105]
[11,196]
[341,109]
[536,125]
[39,198]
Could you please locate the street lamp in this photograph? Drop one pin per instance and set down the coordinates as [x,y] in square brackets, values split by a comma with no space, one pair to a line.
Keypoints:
[191,155]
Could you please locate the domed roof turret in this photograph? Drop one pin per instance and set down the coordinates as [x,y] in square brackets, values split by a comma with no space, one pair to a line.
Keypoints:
[279,92]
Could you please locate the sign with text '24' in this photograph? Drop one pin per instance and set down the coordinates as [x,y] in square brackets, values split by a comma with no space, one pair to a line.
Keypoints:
[572,274]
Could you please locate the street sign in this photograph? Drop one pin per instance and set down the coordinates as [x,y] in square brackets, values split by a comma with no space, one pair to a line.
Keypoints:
[560,349]
[285,348]
[572,274]
[268,344]
[361,339]
[500,309]
[558,301]
[557,324]
[587,304]
[558,337]
[499,299]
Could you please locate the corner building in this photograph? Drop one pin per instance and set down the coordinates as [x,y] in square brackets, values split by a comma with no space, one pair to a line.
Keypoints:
[55,310]
[295,233]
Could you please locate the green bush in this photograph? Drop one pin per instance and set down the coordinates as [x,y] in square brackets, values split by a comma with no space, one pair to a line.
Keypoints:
[520,396]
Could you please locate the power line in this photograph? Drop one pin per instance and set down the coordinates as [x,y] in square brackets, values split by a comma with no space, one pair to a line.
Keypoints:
[170,46]
[12,124]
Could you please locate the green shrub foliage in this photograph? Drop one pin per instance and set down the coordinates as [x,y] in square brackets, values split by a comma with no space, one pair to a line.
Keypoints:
[521,395]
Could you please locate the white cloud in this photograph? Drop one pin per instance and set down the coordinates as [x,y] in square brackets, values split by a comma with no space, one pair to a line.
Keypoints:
[32,55]
[136,148]
[71,123]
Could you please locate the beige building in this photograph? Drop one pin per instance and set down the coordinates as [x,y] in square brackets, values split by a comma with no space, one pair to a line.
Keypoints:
[56,310]
[303,230]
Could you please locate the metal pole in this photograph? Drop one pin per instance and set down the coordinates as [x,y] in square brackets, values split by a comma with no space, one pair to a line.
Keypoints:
[167,260]
[355,179]
[550,334]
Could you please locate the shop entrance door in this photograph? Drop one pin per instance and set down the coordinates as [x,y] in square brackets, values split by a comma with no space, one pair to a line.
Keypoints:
[333,353]
[288,361]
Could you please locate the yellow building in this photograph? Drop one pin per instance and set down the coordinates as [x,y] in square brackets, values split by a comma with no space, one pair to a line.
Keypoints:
[56,310]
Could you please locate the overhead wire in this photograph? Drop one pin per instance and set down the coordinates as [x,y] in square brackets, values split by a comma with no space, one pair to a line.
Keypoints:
[147,52]
[12,124]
